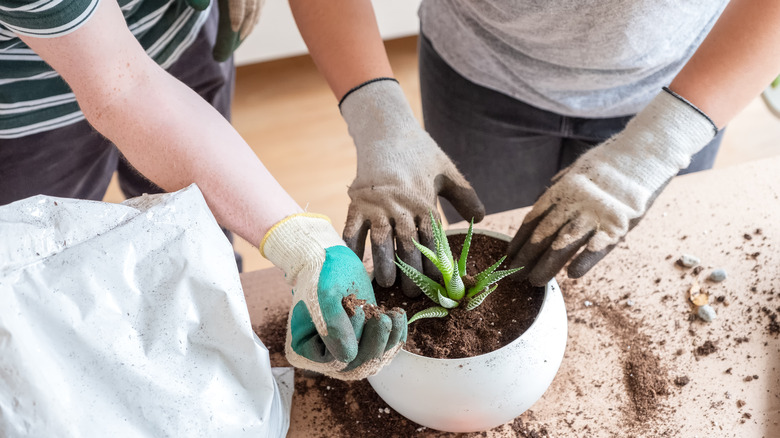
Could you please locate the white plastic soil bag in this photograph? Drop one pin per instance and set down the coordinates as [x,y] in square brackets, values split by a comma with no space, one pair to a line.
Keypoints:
[128,320]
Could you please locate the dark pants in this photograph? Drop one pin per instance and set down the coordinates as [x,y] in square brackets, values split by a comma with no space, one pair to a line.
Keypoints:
[509,150]
[78,162]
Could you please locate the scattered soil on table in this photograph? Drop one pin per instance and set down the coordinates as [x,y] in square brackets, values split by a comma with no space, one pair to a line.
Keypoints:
[273,332]
[353,409]
[644,375]
[500,319]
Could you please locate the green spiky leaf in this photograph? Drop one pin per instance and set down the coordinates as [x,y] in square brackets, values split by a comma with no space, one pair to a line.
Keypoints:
[446,302]
[430,288]
[482,275]
[490,279]
[465,252]
[455,288]
[426,252]
[477,300]
[431,312]
[443,253]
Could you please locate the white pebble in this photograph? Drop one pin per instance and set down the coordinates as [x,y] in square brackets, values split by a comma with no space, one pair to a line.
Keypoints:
[707,313]
[717,275]
[587,303]
[629,303]
[689,261]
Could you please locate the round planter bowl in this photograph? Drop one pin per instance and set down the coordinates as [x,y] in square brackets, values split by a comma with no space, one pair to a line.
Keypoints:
[480,392]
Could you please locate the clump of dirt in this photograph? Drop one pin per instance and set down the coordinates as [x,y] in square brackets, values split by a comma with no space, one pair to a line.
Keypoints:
[682,380]
[350,303]
[705,349]
[499,320]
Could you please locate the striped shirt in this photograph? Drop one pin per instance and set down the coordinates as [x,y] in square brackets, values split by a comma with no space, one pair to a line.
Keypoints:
[33,97]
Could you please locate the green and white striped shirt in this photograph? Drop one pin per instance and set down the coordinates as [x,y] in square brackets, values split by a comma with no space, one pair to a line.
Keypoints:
[33,97]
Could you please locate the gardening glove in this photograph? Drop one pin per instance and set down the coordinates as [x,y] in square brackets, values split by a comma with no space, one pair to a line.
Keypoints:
[237,18]
[599,198]
[321,335]
[400,173]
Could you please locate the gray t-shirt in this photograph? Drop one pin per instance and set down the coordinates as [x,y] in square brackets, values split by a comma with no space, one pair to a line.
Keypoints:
[581,58]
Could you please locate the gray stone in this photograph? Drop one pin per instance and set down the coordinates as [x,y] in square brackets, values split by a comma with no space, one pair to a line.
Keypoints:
[707,313]
[717,275]
[689,261]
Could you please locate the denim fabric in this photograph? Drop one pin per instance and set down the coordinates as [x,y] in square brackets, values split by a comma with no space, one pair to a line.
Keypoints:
[509,150]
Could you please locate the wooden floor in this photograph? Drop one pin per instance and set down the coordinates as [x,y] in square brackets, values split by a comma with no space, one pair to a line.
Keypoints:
[287,113]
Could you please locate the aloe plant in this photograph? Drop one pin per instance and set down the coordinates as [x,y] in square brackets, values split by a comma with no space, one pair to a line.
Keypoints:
[453,292]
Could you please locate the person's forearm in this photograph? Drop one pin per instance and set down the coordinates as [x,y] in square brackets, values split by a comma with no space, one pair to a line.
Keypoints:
[344,41]
[737,60]
[175,138]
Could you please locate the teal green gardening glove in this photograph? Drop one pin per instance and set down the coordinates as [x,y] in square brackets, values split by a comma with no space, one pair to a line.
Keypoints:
[324,333]
[237,18]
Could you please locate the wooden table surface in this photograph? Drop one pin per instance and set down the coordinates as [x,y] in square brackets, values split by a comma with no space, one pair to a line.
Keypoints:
[637,297]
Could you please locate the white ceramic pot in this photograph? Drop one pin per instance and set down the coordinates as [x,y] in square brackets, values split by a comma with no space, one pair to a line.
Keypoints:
[480,392]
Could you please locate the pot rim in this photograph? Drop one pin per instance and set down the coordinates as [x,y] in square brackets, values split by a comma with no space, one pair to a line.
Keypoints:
[485,356]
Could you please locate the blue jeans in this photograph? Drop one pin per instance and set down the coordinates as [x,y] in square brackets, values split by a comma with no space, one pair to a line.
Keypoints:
[509,150]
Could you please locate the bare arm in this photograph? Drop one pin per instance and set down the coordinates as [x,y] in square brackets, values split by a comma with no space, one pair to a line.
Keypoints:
[343,38]
[739,57]
[168,132]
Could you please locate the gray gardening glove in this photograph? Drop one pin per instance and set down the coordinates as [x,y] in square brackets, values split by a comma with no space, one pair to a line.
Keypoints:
[400,173]
[321,335]
[599,198]
[237,18]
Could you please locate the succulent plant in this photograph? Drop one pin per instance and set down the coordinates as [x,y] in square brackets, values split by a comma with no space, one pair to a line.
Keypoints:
[453,292]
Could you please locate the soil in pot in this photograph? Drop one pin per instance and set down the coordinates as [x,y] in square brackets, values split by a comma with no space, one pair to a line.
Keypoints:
[500,319]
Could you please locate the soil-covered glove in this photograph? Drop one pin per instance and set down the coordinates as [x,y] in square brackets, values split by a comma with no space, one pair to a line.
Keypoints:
[237,18]
[321,334]
[400,173]
[603,195]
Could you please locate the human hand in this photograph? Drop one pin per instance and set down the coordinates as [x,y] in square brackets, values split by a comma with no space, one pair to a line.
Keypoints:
[321,335]
[599,198]
[237,18]
[400,173]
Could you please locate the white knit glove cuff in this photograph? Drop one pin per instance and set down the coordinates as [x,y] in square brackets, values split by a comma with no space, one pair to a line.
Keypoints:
[299,241]
[378,111]
[660,140]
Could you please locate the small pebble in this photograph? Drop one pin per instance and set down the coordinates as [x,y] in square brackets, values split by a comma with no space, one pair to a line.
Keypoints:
[587,303]
[689,261]
[707,313]
[629,303]
[717,275]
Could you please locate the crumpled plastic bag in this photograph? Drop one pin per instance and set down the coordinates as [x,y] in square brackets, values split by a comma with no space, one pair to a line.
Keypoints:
[129,320]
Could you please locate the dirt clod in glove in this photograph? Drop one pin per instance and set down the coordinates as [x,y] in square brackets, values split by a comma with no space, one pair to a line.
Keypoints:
[321,336]
[597,200]
[400,173]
